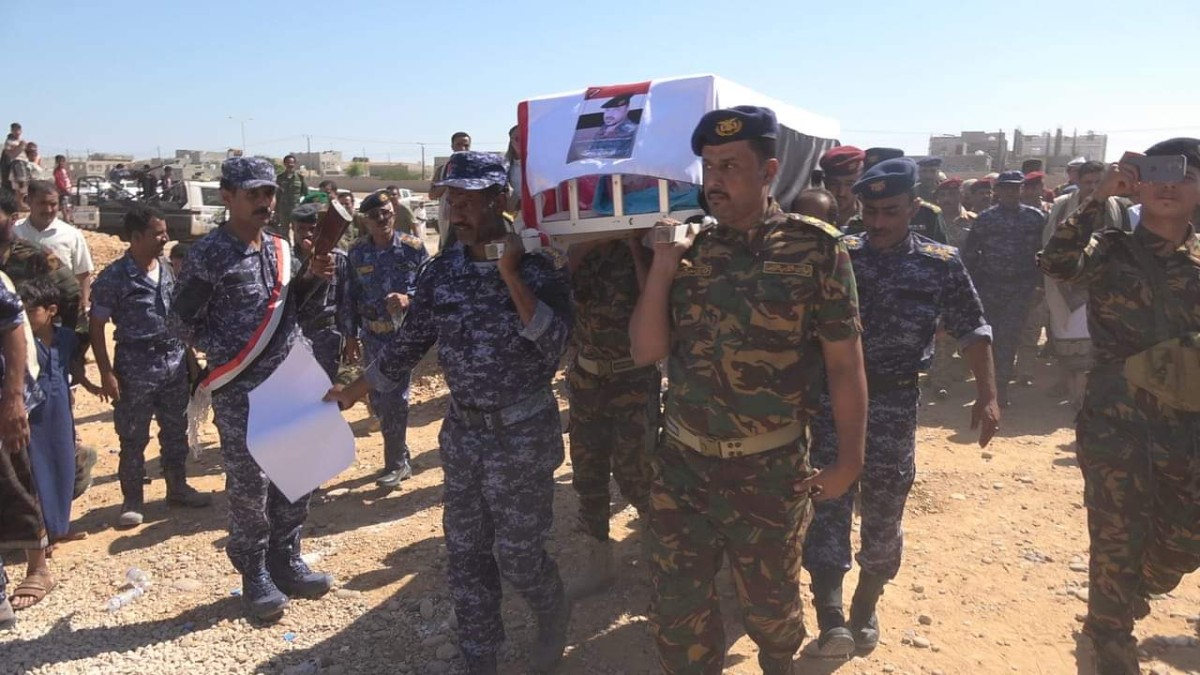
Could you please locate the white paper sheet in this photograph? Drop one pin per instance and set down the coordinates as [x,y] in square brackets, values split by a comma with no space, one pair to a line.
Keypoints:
[297,439]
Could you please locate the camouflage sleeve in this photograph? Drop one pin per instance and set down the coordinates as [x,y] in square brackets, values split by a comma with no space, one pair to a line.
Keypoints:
[837,314]
[422,258]
[550,328]
[938,233]
[353,293]
[104,296]
[189,309]
[409,344]
[404,218]
[343,310]
[962,310]
[1073,253]
[10,309]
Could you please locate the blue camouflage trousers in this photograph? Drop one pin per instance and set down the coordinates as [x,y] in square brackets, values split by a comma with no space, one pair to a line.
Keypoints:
[884,484]
[260,517]
[150,393]
[499,494]
[392,409]
[1006,306]
[327,349]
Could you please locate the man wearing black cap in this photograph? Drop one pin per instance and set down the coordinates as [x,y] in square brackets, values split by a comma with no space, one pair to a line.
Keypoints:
[236,301]
[928,220]
[906,282]
[1000,253]
[928,170]
[750,317]
[383,279]
[1137,433]
[501,327]
[326,318]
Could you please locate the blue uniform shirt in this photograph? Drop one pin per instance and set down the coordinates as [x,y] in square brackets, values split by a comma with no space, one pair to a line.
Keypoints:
[138,308]
[902,292]
[375,272]
[490,358]
[1003,245]
[330,306]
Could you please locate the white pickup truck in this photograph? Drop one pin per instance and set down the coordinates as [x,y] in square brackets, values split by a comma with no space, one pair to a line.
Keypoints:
[192,208]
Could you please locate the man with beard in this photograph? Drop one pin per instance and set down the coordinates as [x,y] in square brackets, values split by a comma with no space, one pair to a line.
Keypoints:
[149,376]
[841,167]
[500,327]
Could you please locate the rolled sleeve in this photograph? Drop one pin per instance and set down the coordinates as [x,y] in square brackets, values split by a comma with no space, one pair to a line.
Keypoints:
[543,316]
[983,332]
[837,316]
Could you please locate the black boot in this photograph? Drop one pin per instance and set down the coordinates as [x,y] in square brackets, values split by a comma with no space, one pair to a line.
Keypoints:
[292,574]
[864,623]
[481,665]
[551,636]
[179,493]
[835,641]
[261,597]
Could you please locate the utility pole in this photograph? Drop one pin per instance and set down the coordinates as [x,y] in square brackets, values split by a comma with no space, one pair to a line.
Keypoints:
[243,121]
[422,160]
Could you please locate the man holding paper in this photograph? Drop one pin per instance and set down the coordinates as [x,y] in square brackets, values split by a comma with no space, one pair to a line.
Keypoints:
[236,301]
[501,327]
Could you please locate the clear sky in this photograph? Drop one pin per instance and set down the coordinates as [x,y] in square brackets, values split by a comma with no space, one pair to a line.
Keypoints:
[380,77]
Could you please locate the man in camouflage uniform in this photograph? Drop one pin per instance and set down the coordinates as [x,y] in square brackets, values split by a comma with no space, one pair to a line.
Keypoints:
[149,376]
[292,190]
[928,169]
[383,278]
[841,167]
[231,283]
[500,328]
[23,260]
[946,369]
[999,254]
[928,220]
[614,404]
[1138,435]
[749,317]
[326,318]
[906,282]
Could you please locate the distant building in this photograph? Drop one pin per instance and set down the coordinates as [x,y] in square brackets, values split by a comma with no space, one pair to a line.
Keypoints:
[96,164]
[326,163]
[968,145]
[1054,149]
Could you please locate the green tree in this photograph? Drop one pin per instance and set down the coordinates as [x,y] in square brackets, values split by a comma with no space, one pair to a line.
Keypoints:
[355,170]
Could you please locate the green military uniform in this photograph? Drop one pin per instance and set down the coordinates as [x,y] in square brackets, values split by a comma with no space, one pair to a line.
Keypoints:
[292,189]
[747,313]
[1139,451]
[928,222]
[614,405]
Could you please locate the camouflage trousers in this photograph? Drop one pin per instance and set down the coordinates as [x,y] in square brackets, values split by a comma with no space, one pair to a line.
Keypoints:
[392,409]
[614,424]
[260,517]
[1142,491]
[884,484]
[946,370]
[1031,335]
[327,349]
[1006,307]
[499,509]
[146,394]
[703,509]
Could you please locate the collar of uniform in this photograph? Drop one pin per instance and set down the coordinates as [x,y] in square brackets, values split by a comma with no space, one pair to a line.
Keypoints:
[1163,248]
[54,224]
[906,245]
[773,216]
[240,246]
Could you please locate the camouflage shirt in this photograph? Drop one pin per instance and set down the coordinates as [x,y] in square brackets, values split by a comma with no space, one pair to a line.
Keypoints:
[375,272]
[330,306]
[748,311]
[24,260]
[1120,318]
[606,290]
[902,292]
[1003,245]
[138,307]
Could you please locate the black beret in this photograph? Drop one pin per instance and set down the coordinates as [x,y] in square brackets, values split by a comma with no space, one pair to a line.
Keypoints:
[306,213]
[886,179]
[375,200]
[740,123]
[617,101]
[877,155]
[1188,147]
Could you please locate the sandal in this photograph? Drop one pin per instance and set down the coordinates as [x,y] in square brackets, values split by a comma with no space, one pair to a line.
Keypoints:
[35,587]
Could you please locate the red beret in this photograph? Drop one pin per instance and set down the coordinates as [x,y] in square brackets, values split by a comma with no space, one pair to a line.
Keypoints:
[844,160]
[1034,176]
[982,183]
[951,184]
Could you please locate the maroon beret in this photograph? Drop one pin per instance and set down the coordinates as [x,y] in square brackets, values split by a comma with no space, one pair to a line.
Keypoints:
[844,160]
[1034,176]
[951,184]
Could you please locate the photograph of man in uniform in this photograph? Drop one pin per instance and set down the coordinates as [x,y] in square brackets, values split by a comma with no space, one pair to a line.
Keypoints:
[612,139]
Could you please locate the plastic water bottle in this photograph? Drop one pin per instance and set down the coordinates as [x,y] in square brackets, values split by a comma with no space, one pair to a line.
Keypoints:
[136,577]
[138,582]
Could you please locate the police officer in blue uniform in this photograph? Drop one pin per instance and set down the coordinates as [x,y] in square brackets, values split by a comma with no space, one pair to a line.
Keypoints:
[928,220]
[501,327]
[149,377]
[383,277]
[326,318]
[906,282]
[236,302]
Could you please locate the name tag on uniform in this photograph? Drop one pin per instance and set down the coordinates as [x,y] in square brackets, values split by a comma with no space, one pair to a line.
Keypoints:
[694,271]
[790,269]
[365,269]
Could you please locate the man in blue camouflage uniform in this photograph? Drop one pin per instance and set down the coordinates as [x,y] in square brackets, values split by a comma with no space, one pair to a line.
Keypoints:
[21,523]
[149,376]
[906,282]
[501,328]
[928,220]
[1001,255]
[326,318]
[226,301]
[383,277]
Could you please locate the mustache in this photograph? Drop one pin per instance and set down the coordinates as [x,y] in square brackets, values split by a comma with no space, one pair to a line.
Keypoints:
[715,193]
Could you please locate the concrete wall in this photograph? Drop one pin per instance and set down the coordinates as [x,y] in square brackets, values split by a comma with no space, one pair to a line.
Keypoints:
[366,184]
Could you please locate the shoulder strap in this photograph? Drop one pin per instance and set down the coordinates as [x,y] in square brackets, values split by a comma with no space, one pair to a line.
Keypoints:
[1163,299]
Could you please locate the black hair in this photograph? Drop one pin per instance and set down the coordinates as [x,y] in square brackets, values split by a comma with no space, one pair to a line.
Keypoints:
[393,187]
[60,158]
[179,251]
[138,217]
[39,291]
[327,185]
[38,188]
[288,156]
[764,148]
[457,135]
[1090,166]
[832,213]
[8,203]
[166,169]
[14,126]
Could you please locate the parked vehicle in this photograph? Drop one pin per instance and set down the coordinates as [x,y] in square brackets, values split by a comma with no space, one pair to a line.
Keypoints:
[192,208]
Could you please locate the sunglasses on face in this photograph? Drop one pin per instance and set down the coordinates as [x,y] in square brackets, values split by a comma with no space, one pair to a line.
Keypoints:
[381,215]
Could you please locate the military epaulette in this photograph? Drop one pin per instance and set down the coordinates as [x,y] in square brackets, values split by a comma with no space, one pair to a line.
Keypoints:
[409,240]
[817,223]
[853,242]
[930,205]
[937,250]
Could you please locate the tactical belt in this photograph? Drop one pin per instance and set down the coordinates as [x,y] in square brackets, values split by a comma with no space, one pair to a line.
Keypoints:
[879,383]
[380,327]
[735,447]
[605,368]
[506,416]
[320,324]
